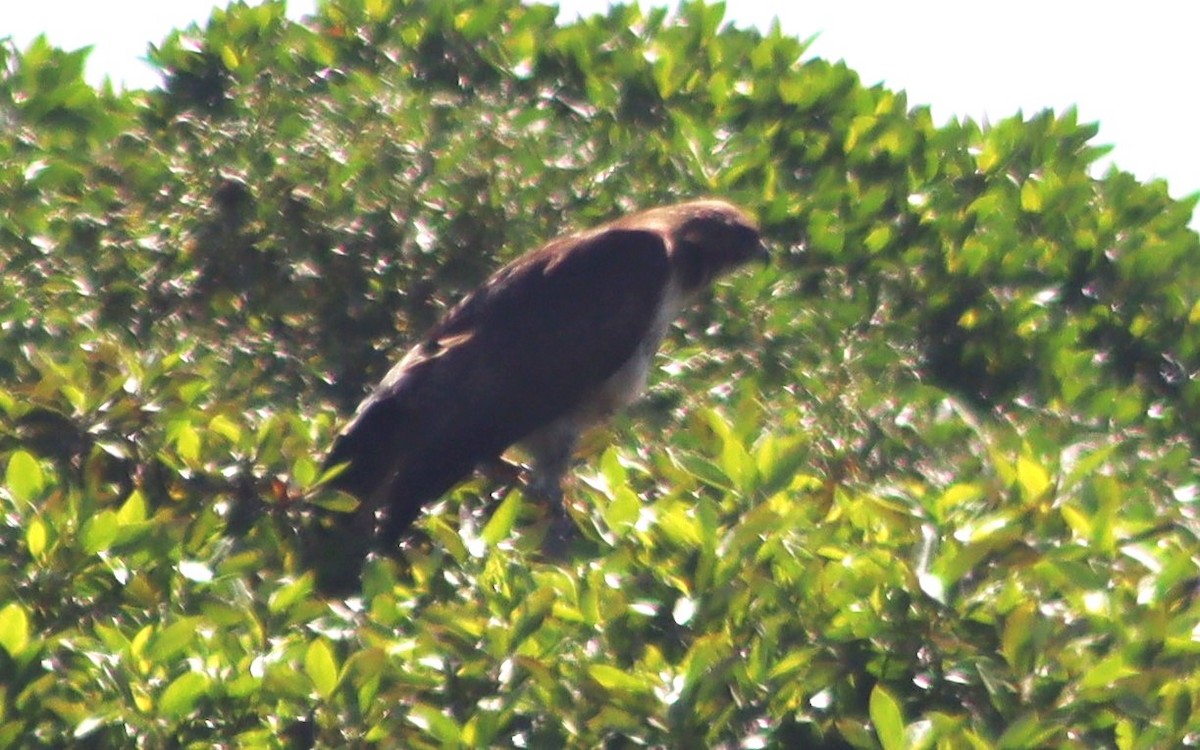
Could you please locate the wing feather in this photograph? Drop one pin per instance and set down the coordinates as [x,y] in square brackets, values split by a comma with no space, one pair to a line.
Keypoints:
[527,347]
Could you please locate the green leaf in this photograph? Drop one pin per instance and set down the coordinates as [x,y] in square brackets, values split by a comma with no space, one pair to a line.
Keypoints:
[378,10]
[14,629]
[1017,640]
[439,726]
[530,615]
[879,238]
[304,471]
[1079,521]
[705,657]
[617,680]
[614,472]
[24,477]
[679,526]
[1026,732]
[37,537]
[229,56]
[622,512]
[1090,463]
[226,427]
[100,531]
[133,510]
[337,501]
[992,155]
[289,595]
[1125,735]
[499,527]
[180,697]
[958,495]
[1032,478]
[187,443]
[703,469]
[859,127]
[827,232]
[1031,197]
[781,458]
[887,719]
[737,463]
[321,667]
[173,640]
[1105,673]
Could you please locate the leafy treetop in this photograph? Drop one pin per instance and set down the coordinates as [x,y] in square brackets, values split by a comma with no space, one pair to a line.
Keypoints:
[940,495]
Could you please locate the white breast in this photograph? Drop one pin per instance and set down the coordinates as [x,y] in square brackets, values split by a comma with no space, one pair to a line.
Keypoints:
[627,383]
[546,445]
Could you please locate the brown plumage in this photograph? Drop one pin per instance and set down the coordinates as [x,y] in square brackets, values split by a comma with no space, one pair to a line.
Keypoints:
[549,345]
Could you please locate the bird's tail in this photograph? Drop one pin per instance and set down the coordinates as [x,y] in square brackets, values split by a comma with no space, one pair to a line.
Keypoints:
[335,545]
[367,455]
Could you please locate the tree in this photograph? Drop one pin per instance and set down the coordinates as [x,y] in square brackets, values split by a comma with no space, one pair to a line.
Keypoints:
[944,497]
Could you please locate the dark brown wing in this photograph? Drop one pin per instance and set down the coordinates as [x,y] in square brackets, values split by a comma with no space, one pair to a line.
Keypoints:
[525,348]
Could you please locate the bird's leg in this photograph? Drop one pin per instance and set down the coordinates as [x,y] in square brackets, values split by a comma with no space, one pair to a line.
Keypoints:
[550,464]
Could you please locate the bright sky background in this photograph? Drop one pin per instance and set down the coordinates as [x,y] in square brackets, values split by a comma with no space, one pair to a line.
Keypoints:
[1134,67]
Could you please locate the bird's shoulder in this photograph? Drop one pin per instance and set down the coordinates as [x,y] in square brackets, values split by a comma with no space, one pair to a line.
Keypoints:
[579,304]
[590,269]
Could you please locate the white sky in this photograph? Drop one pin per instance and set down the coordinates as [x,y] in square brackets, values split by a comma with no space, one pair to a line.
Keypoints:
[1134,67]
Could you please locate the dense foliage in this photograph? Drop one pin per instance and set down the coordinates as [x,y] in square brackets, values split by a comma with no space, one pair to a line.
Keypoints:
[929,481]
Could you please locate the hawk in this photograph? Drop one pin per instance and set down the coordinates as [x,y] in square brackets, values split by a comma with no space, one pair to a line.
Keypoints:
[551,344]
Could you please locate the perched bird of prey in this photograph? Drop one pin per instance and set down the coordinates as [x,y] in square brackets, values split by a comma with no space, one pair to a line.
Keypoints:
[550,345]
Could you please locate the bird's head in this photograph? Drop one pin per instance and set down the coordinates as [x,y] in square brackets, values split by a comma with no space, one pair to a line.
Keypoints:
[710,237]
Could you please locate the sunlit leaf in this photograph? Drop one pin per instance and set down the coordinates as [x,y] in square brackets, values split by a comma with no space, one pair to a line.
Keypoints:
[614,472]
[37,537]
[439,726]
[14,629]
[530,615]
[1107,672]
[678,525]
[704,470]
[623,510]
[230,57]
[684,610]
[304,471]
[378,10]
[133,510]
[942,449]
[174,639]
[187,442]
[499,527]
[1031,197]
[1017,639]
[87,726]
[287,596]
[737,463]
[827,231]
[226,427]
[321,667]
[616,680]
[1028,731]
[195,570]
[24,477]
[181,696]
[887,719]
[1033,478]
[100,531]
